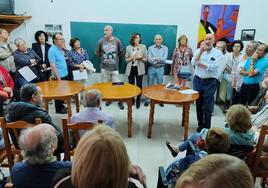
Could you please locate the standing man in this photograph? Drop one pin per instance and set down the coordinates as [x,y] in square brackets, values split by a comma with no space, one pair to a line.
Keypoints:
[157,55]
[58,66]
[206,61]
[109,49]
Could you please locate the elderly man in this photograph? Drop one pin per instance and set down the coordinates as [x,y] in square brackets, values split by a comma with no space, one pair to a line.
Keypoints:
[92,112]
[109,48]
[39,166]
[6,52]
[157,55]
[206,60]
[25,56]
[58,66]
[253,71]
[29,108]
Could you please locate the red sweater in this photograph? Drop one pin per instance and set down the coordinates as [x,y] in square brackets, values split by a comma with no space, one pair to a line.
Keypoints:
[5,81]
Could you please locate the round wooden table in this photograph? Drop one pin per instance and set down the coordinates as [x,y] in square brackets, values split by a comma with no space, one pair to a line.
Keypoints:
[123,93]
[158,94]
[61,90]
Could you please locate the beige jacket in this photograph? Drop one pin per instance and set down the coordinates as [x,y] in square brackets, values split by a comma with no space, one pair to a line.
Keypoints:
[6,56]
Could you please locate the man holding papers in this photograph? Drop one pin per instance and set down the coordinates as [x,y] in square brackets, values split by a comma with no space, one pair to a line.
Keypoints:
[206,61]
[58,66]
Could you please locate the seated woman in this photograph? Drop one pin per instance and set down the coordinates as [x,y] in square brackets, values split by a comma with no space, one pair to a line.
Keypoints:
[25,56]
[230,172]
[6,88]
[216,142]
[41,48]
[238,129]
[101,161]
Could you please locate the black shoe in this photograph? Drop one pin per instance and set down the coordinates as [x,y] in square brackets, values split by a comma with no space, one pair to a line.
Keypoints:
[121,106]
[61,111]
[146,103]
[138,105]
[162,105]
[198,129]
[108,103]
[173,153]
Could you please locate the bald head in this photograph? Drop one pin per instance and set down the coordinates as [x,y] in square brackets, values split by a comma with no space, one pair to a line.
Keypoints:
[38,143]
[93,98]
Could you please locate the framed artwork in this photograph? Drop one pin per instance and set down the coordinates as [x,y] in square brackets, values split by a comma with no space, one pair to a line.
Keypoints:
[219,20]
[247,34]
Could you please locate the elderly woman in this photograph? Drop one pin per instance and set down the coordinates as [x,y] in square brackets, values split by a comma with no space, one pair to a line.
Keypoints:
[101,161]
[25,56]
[41,48]
[136,57]
[182,56]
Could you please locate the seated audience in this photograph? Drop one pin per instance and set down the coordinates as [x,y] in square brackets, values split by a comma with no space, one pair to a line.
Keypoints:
[259,101]
[217,170]
[101,161]
[216,142]
[7,90]
[25,56]
[6,52]
[28,109]
[41,49]
[238,130]
[93,112]
[39,165]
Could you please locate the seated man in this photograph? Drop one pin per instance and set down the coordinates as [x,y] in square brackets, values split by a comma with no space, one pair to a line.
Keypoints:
[39,166]
[28,109]
[92,112]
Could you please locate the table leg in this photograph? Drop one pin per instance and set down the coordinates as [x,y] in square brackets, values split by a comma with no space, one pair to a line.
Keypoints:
[68,101]
[46,104]
[129,117]
[151,119]
[185,120]
[77,102]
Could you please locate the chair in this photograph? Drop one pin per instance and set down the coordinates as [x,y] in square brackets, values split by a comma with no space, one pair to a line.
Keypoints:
[13,149]
[258,168]
[75,127]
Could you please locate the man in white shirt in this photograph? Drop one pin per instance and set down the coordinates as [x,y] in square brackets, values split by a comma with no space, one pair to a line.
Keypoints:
[206,61]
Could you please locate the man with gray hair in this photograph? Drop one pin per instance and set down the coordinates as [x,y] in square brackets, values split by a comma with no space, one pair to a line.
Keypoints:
[39,166]
[92,112]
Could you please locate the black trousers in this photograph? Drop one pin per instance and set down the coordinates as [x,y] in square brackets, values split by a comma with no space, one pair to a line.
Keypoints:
[131,79]
[248,93]
[236,99]
[59,103]
[16,95]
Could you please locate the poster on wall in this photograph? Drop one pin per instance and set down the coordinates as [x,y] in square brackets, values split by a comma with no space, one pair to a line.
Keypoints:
[219,20]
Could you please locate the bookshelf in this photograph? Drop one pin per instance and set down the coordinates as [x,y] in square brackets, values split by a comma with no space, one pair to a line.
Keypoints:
[11,22]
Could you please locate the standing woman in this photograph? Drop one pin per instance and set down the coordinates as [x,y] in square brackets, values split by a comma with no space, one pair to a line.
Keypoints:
[41,49]
[136,57]
[182,56]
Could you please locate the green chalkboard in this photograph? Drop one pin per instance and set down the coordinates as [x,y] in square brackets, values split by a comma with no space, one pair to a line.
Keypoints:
[89,34]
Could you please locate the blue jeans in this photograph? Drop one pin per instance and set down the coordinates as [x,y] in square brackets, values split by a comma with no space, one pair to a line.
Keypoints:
[205,102]
[153,73]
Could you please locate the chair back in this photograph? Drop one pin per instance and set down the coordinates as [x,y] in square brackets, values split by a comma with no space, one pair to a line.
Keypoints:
[74,127]
[260,166]
[14,128]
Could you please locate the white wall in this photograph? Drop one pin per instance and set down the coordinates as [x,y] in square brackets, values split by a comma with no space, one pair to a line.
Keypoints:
[185,14]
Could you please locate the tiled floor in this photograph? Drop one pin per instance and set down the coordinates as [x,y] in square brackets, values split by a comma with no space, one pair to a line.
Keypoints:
[151,153]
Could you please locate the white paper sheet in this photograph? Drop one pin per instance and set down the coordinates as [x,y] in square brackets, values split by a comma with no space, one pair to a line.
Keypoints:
[27,73]
[78,75]
[168,62]
[188,91]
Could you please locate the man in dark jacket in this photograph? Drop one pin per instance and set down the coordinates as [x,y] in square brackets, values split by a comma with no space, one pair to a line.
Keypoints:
[28,109]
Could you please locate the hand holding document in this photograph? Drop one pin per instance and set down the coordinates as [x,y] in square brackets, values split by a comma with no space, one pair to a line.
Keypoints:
[80,75]
[27,73]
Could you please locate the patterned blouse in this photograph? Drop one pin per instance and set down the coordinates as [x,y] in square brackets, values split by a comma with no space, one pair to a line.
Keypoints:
[181,57]
[77,58]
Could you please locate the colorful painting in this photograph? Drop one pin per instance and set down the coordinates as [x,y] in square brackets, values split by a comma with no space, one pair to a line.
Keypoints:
[219,20]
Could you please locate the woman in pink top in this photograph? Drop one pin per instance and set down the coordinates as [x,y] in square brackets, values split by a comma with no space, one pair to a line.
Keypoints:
[182,56]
